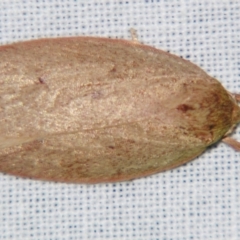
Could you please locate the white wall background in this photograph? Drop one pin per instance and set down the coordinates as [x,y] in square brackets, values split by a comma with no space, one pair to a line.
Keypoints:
[197,201]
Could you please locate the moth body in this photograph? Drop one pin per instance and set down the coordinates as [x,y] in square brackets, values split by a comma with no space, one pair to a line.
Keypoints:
[90,110]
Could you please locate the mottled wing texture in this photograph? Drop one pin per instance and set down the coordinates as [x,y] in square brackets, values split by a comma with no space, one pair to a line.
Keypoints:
[98,110]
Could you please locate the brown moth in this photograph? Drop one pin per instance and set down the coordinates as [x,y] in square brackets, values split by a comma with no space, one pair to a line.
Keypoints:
[88,110]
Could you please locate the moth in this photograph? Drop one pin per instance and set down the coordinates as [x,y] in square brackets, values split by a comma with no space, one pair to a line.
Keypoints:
[89,110]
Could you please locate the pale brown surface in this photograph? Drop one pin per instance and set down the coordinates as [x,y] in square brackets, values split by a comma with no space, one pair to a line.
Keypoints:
[95,110]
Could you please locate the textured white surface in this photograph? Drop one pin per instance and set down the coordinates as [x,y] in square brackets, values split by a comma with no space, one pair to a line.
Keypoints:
[200,200]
